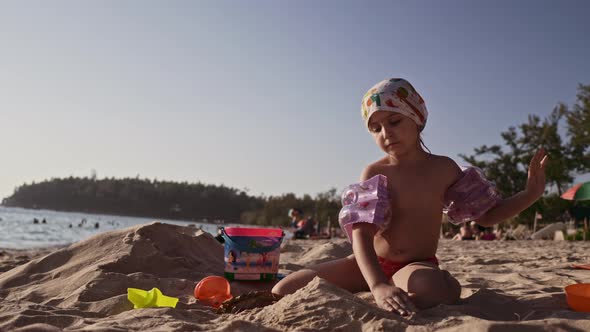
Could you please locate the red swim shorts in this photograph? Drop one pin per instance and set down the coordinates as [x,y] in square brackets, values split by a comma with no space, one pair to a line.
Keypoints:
[391,267]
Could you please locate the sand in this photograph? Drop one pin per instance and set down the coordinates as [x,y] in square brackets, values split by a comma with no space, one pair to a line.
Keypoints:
[507,286]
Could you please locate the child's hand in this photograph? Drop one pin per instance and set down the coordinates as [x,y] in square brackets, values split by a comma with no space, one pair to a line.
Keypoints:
[536,180]
[393,298]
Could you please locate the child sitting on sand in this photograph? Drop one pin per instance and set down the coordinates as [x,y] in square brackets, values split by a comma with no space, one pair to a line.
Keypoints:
[466,232]
[398,267]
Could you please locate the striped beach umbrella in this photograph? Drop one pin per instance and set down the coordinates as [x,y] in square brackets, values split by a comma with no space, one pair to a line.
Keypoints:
[579,192]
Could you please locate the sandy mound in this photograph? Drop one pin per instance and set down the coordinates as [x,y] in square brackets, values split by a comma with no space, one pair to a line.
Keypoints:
[340,310]
[93,275]
[89,279]
[507,286]
[298,254]
[9,259]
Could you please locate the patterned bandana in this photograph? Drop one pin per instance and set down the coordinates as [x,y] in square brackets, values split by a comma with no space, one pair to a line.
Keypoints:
[395,95]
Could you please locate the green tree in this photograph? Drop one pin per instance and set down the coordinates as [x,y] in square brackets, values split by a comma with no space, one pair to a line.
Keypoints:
[568,156]
[578,120]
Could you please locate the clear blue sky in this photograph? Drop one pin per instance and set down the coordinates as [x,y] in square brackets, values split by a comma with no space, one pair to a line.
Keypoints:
[266,95]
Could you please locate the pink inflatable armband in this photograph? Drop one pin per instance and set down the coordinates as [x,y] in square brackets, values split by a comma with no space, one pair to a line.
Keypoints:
[366,201]
[470,197]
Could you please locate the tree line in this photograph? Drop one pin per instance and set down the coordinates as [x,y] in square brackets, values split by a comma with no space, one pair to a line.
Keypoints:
[169,200]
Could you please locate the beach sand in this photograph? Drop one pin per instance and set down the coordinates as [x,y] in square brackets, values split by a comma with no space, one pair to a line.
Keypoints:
[507,286]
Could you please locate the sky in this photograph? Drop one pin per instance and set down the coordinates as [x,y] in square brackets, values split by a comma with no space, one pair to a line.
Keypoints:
[265,96]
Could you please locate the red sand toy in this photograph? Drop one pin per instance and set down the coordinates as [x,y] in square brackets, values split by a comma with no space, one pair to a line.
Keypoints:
[578,297]
[213,290]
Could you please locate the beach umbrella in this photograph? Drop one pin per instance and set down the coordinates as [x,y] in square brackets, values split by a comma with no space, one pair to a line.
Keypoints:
[579,192]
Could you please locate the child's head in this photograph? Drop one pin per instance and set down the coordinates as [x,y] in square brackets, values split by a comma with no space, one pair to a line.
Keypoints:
[395,114]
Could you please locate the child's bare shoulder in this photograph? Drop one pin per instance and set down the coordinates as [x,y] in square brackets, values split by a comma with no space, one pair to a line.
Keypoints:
[446,168]
[373,169]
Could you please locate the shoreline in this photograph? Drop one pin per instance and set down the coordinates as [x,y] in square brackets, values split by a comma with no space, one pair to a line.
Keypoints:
[97,213]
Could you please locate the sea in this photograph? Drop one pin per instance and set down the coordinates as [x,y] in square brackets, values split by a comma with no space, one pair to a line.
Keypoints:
[18,229]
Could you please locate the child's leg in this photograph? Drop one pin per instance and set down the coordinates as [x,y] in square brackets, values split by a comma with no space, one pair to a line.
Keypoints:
[343,273]
[431,285]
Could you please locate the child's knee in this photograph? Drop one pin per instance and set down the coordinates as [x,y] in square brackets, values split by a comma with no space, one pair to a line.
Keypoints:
[454,287]
[283,287]
[433,287]
[279,288]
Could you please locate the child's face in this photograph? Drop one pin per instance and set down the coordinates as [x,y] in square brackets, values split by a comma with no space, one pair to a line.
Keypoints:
[394,133]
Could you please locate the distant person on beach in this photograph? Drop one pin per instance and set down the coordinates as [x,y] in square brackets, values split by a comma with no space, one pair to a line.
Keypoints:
[394,250]
[449,234]
[499,233]
[478,230]
[487,235]
[295,215]
[298,224]
[466,232]
[305,228]
[310,226]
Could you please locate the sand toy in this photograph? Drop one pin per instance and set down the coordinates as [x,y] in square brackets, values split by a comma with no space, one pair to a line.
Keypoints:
[578,297]
[213,290]
[150,299]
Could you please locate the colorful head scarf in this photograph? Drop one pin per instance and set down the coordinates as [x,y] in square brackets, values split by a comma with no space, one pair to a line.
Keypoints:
[395,95]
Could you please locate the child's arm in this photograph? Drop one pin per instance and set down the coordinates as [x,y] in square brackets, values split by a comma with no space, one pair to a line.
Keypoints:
[363,247]
[386,294]
[520,201]
[364,252]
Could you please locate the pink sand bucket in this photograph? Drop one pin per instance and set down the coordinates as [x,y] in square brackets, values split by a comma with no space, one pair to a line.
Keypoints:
[252,253]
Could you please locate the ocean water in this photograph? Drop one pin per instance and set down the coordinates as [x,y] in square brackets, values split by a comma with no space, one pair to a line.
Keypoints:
[17,230]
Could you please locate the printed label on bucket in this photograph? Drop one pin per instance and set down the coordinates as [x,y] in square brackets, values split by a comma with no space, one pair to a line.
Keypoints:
[243,264]
[251,276]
